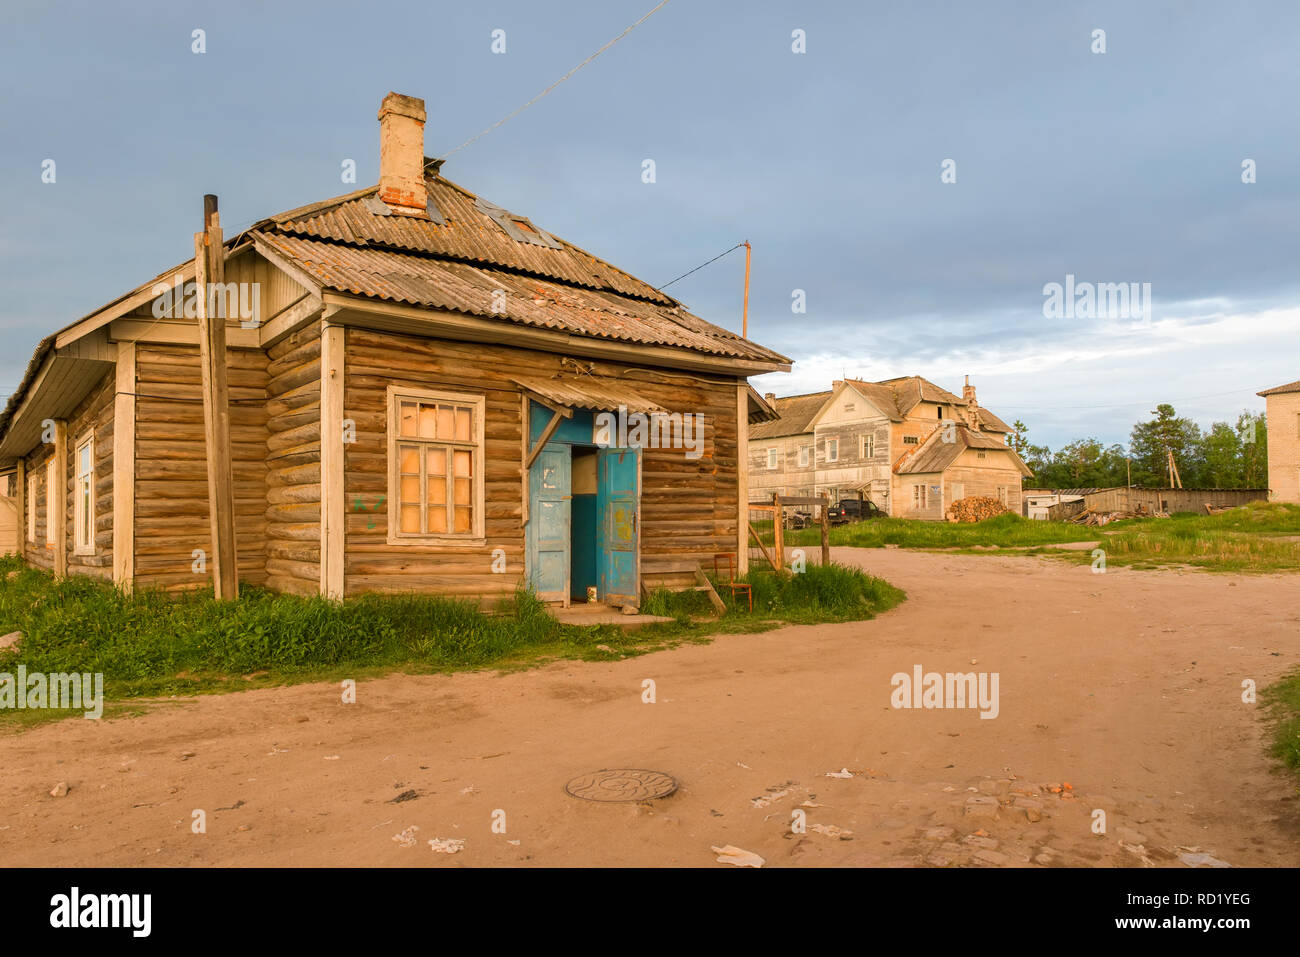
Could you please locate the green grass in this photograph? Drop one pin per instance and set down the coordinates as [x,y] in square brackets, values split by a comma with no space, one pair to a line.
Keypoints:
[1248,539]
[1005,531]
[1282,705]
[153,644]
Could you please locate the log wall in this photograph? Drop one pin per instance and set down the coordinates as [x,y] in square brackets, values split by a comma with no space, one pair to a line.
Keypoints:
[171,492]
[95,412]
[689,507]
[292,506]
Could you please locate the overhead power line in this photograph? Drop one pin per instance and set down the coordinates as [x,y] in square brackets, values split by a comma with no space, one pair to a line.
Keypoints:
[701,266]
[510,116]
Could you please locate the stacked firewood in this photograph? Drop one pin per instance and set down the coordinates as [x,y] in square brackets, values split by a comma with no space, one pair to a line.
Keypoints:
[975,508]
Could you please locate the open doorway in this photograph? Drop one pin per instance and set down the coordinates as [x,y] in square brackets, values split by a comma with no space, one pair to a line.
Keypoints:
[584,560]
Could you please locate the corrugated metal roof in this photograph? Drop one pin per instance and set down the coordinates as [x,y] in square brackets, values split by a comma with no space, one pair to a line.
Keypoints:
[589,392]
[935,455]
[1280,389]
[796,412]
[474,290]
[461,263]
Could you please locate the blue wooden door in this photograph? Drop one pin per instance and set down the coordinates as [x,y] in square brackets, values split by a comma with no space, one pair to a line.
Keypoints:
[547,538]
[617,501]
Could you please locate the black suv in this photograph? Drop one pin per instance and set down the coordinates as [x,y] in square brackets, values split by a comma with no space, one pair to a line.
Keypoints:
[852,510]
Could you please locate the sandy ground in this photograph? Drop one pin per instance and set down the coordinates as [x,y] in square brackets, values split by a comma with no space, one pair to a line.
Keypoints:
[1126,685]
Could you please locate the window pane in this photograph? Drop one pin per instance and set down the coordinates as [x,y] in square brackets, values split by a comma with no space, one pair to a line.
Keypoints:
[462,461]
[410,459]
[437,490]
[83,459]
[437,520]
[463,425]
[437,461]
[410,489]
[463,491]
[411,518]
[407,425]
[463,523]
[446,421]
[427,430]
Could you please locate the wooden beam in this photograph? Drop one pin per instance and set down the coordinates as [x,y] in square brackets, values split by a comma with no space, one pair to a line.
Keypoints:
[177,332]
[124,469]
[21,503]
[826,530]
[545,437]
[433,323]
[778,532]
[56,499]
[742,476]
[288,320]
[209,262]
[333,504]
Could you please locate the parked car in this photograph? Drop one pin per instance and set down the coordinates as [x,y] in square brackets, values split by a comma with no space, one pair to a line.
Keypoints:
[853,510]
[798,520]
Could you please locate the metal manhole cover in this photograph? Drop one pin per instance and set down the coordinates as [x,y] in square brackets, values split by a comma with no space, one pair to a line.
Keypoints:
[621,784]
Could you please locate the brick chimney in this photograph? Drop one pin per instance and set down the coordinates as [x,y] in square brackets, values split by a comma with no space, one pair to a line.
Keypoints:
[972,406]
[401,155]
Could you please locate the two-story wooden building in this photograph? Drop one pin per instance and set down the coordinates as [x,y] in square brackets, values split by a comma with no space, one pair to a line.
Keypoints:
[906,444]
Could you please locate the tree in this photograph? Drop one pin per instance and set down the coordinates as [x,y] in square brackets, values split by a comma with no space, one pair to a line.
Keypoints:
[1150,442]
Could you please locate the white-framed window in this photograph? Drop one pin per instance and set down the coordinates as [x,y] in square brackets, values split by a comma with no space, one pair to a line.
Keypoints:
[49,503]
[918,496]
[868,446]
[435,467]
[803,456]
[83,503]
[832,450]
[772,458]
[32,485]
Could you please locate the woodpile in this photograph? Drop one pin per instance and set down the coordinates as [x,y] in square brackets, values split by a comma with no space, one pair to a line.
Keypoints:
[1093,517]
[975,508]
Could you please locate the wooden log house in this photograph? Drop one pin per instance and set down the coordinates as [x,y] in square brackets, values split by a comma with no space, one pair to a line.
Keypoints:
[413,378]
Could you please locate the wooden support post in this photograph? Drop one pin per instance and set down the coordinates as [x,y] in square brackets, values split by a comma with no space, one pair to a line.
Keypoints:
[210,267]
[826,530]
[778,532]
[551,426]
[124,469]
[333,504]
[20,500]
[742,475]
[56,498]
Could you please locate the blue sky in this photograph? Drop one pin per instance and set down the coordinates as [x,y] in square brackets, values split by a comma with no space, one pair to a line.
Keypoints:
[1115,167]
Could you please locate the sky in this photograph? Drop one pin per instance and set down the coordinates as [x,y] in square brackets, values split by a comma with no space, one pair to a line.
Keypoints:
[1122,166]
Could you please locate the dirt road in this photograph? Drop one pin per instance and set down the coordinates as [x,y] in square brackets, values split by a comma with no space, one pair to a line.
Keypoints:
[1126,685]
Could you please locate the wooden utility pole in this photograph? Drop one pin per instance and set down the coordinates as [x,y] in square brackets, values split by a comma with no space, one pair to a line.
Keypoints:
[744,318]
[826,530]
[778,532]
[210,267]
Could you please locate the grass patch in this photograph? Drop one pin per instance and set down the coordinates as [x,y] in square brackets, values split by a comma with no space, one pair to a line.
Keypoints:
[154,644]
[1259,537]
[1282,704]
[1005,531]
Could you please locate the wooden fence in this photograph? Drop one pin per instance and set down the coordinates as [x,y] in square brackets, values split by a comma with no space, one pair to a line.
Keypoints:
[776,512]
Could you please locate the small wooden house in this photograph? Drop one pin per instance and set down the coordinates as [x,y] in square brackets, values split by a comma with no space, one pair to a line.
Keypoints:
[424,392]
